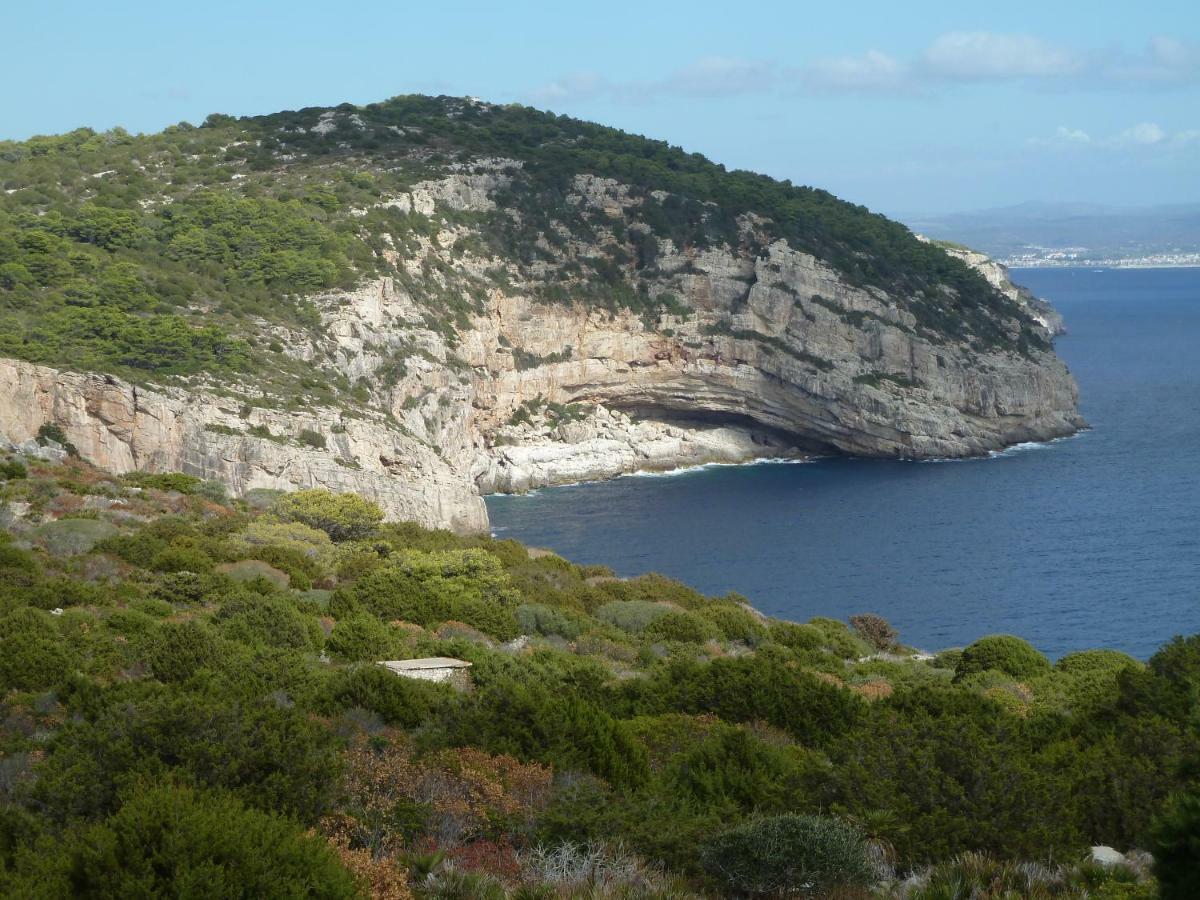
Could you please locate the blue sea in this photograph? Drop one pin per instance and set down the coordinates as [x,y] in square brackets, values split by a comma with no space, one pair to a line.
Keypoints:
[1092,541]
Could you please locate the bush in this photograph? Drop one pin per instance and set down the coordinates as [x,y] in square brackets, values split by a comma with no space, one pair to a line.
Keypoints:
[33,653]
[684,627]
[788,854]
[797,637]
[468,586]
[875,630]
[172,841]
[269,621]
[49,431]
[735,623]
[344,517]
[396,699]
[12,469]
[1176,847]
[760,687]
[165,481]
[182,557]
[537,618]
[310,438]
[1096,661]
[72,537]
[532,721]
[838,638]
[187,588]
[360,637]
[1004,653]
[271,755]
[252,569]
[179,650]
[632,616]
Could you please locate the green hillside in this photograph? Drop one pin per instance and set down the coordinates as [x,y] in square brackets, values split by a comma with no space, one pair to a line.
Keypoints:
[191,707]
[167,255]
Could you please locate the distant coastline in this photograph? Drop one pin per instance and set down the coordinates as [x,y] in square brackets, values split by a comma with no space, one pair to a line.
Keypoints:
[1097,264]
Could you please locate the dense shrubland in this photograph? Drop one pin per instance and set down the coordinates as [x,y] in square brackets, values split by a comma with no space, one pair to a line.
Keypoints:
[191,708]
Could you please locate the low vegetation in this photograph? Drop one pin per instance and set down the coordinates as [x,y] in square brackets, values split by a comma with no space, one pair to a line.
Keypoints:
[191,706]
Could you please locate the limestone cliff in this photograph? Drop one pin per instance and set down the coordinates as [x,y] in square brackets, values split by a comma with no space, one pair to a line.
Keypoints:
[779,356]
[520,336]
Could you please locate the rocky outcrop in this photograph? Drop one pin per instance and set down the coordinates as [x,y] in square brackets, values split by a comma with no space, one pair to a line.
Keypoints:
[998,277]
[122,427]
[764,350]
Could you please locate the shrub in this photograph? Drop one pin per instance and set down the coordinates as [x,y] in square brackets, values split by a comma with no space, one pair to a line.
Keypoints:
[360,637]
[173,841]
[262,498]
[252,569]
[49,431]
[761,687]
[734,623]
[33,653]
[165,481]
[468,586]
[179,650]
[1176,847]
[310,438]
[398,700]
[1004,653]
[72,537]
[12,469]
[532,721]
[182,557]
[838,639]
[797,637]
[875,630]
[344,517]
[1095,661]
[186,588]
[684,627]
[632,616]
[272,755]
[537,618]
[270,621]
[788,854]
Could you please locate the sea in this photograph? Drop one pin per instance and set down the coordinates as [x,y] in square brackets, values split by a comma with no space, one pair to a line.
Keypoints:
[1090,541]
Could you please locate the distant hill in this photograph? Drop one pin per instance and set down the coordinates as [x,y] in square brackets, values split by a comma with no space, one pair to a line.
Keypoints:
[1102,231]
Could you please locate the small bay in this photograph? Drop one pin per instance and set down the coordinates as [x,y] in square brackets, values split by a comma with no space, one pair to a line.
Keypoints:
[1092,541]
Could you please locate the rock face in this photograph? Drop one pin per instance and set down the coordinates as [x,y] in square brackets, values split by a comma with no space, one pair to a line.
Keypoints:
[767,352]
[122,428]
[997,276]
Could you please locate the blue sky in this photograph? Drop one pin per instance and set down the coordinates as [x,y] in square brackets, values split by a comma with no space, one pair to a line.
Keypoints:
[905,107]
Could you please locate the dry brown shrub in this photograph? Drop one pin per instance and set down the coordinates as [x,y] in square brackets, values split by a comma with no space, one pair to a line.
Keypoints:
[380,878]
[874,690]
[829,678]
[466,790]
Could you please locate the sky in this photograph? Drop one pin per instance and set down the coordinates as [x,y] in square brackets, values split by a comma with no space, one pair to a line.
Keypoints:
[908,108]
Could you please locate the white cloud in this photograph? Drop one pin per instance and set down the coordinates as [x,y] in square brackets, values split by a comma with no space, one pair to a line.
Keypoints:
[570,88]
[718,76]
[711,76]
[986,55]
[958,57]
[1142,135]
[1165,62]
[872,71]
[1063,136]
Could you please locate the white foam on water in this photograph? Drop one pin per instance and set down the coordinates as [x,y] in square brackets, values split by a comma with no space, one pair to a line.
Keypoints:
[1014,450]
[687,470]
